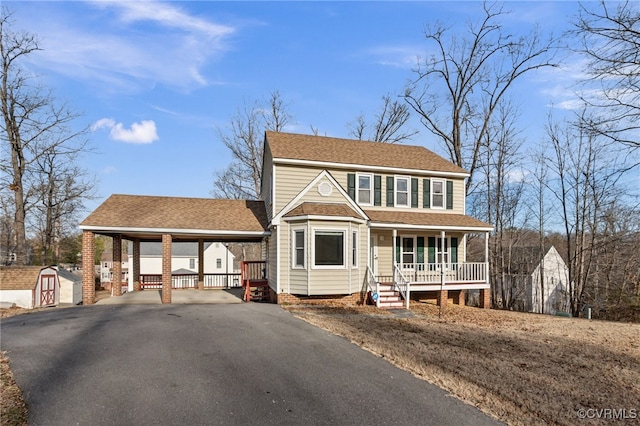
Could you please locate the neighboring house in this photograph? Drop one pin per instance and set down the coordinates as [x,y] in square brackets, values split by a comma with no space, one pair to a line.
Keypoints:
[531,269]
[106,270]
[70,287]
[217,258]
[337,218]
[29,286]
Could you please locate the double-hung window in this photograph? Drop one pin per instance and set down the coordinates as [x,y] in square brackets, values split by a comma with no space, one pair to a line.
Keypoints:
[298,248]
[329,249]
[437,194]
[402,191]
[354,249]
[364,189]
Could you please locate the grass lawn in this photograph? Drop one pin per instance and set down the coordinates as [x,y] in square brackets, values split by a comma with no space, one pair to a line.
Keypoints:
[521,368]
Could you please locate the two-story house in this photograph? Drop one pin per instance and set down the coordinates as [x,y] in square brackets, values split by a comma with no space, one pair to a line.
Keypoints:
[338,218]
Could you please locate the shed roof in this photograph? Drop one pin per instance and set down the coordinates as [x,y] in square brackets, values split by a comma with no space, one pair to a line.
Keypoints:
[191,216]
[354,152]
[19,277]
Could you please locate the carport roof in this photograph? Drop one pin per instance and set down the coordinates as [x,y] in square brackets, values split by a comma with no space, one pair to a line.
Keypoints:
[149,216]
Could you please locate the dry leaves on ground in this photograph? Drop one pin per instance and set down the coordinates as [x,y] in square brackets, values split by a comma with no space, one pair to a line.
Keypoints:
[521,368]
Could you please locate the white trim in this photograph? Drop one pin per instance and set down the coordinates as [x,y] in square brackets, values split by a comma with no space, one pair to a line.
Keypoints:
[401,226]
[384,169]
[325,218]
[395,191]
[176,231]
[294,249]
[345,249]
[371,194]
[432,287]
[444,194]
[323,174]
[273,189]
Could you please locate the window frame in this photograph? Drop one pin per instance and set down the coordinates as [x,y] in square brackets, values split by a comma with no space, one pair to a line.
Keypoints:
[218,262]
[396,192]
[443,194]
[345,251]
[354,249]
[295,248]
[358,189]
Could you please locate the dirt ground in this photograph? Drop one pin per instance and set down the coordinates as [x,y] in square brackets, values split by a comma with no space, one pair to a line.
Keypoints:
[521,368]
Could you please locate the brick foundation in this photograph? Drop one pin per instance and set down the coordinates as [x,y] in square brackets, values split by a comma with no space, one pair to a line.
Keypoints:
[347,300]
[443,298]
[485,298]
[458,297]
[88,274]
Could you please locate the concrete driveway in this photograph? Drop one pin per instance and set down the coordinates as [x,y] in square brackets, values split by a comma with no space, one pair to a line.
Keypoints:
[178,296]
[209,364]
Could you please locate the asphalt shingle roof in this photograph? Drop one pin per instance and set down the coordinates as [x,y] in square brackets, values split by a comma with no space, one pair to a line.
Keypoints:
[348,151]
[323,209]
[19,277]
[425,219]
[149,212]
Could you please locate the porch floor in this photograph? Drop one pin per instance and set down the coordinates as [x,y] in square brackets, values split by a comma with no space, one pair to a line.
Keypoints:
[178,296]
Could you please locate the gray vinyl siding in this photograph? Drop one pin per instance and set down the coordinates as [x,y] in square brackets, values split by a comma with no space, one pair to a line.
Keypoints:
[266,192]
[274,274]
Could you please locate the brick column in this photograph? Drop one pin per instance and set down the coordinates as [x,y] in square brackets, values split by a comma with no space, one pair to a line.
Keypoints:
[136,264]
[459,298]
[443,297]
[166,268]
[88,268]
[200,264]
[116,281]
[485,298]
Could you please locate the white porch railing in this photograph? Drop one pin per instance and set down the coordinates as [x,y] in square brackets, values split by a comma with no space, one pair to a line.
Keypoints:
[454,273]
[402,284]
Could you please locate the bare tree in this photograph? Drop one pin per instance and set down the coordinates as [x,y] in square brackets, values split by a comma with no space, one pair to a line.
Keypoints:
[457,89]
[610,40]
[586,171]
[389,123]
[244,137]
[33,127]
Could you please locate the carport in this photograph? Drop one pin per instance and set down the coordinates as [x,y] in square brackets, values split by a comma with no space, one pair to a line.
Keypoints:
[166,219]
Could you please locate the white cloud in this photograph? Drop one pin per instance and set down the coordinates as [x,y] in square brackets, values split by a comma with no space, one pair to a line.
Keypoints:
[129,46]
[140,133]
[396,56]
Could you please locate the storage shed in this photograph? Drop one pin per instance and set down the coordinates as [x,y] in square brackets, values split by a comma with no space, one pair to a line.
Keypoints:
[70,287]
[29,286]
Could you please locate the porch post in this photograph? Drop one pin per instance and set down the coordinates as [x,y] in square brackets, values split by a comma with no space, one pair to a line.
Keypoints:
[116,280]
[485,293]
[443,297]
[200,285]
[166,268]
[136,264]
[394,241]
[88,268]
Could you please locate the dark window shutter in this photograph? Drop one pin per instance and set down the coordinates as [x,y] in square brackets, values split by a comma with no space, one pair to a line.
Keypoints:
[420,242]
[414,192]
[454,250]
[426,193]
[431,251]
[449,194]
[351,185]
[390,201]
[397,249]
[377,190]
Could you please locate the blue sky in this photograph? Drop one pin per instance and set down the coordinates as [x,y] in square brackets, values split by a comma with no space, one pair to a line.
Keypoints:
[155,80]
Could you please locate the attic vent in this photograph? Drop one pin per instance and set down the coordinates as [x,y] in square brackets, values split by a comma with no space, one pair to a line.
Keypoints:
[325,189]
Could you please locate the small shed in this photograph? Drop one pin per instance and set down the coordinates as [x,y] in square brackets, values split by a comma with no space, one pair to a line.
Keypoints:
[70,287]
[29,286]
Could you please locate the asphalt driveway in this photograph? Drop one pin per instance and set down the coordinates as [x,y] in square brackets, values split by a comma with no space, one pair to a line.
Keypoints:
[209,364]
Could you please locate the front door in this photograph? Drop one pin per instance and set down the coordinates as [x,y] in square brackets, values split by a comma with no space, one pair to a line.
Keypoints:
[373,254]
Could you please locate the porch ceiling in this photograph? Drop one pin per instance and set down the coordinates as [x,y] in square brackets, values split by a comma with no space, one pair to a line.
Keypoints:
[186,219]
[426,221]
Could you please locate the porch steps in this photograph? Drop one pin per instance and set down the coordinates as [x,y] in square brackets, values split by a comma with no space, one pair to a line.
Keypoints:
[388,297]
